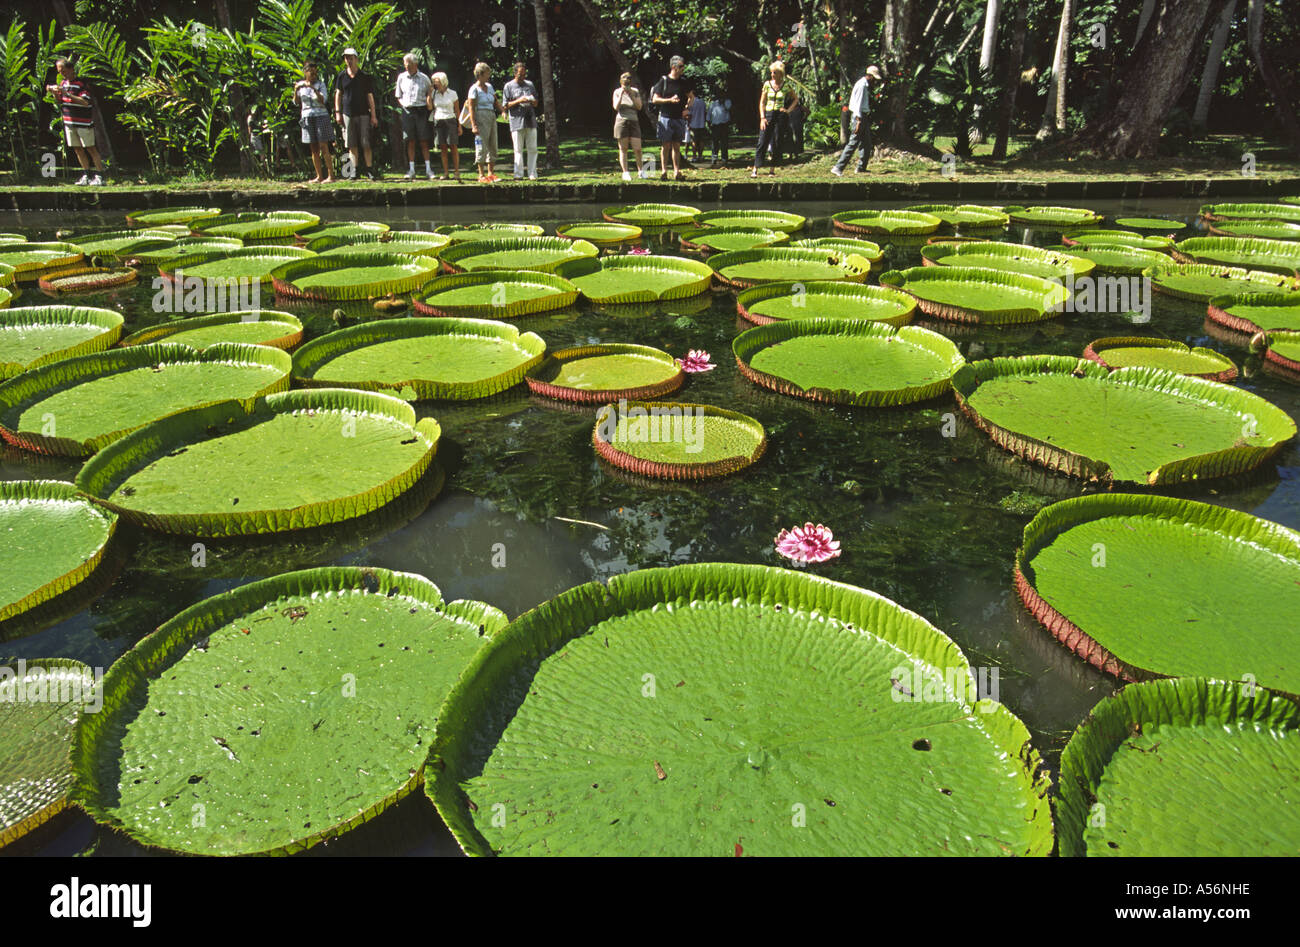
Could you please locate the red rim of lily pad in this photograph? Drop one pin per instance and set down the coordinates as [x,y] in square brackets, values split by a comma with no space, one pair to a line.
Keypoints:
[1091,353]
[87,279]
[1217,310]
[1276,362]
[602,395]
[669,471]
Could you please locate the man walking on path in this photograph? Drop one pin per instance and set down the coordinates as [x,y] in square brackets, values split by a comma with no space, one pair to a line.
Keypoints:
[354,107]
[860,117]
[73,96]
[672,95]
[521,104]
[720,129]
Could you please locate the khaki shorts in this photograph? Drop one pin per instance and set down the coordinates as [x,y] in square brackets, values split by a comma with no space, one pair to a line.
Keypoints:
[627,128]
[79,136]
[356,131]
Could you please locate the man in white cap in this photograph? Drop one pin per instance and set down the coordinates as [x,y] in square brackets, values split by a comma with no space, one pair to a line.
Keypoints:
[860,122]
[354,108]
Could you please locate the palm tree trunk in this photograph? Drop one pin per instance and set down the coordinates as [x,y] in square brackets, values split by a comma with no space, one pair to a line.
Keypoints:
[1148,7]
[1210,74]
[1011,80]
[1272,81]
[548,85]
[238,107]
[1054,110]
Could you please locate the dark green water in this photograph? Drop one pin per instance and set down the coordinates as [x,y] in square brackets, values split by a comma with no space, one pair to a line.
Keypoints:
[930,521]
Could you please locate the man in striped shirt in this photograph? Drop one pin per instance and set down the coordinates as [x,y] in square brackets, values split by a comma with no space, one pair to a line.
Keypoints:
[860,123]
[73,96]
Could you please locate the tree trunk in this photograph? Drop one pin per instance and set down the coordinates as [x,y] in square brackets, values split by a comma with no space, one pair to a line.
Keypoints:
[548,85]
[1148,7]
[64,16]
[610,42]
[1054,110]
[1210,74]
[1272,81]
[238,107]
[396,145]
[1011,82]
[990,45]
[898,66]
[1158,72]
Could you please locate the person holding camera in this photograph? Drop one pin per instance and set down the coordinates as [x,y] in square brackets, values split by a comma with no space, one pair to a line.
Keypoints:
[627,125]
[317,131]
[76,108]
[673,95]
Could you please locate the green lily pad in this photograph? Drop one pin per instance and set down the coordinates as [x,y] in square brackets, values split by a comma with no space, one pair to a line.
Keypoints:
[1201,282]
[31,260]
[459,359]
[779,220]
[1185,767]
[745,268]
[249,265]
[676,441]
[1053,217]
[185,246]
[1265,229]
[7,275]
[596,374]
[890,222]
[170,215]
[1159,224]
[299,749]
[543,254]
[1271,256]
[1086,573]
[1012,257]
[1169,354]
[114,242]
[542,728]
[343,228]
[13,238]
[774,302]
[288,461]
[867,249]
[498,294]
[1116,259]
[53,540]
[848,361]
[636,279]
[976,295]
[6,296]
[86,279]
[722,239]
[35,772]
[414,242]
[1282,354]
[31,336]
[598,232]
[1256,312]
[1131,426]
[1218,212]
[460,233]
[279,330]
[76,406]
[359,274]
[964,216]
[256,225]
[1125,238]
[652,215]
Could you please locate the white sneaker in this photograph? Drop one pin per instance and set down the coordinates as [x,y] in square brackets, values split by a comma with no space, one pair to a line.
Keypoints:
[84,179]
[410,174]
[627,176]
[432,175]
[532,177]
[97,181]
[837,172]
[641,173]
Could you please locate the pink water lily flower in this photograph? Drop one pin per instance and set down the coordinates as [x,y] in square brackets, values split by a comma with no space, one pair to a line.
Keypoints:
[696,360]
[639,251]
[807,543]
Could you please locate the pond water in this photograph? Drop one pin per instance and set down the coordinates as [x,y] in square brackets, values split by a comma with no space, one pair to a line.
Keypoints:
[930,521]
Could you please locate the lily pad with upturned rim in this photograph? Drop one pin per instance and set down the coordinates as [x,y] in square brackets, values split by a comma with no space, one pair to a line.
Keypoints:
[1158,224]
[601,233]
[848,361]
[1169,354]
[855,246]
[342,228]
[675,441]
[723,239]
[31,260]
[775,302]
[1012,257]
[1116,259]
[1216,212]
[221,266]
[170,215]
[1097,238]
[1184,767]
[652,215]
[745,268]
[256,225]
[185,246]
[964,216]
[1131,426]
[279,330]
[1250,313]
[1201,282]
[974,295]
[361,274]
[1058,218]
[1183,619]
[595,374]
[6,296]
[291,460]
[494,294]
[539,725]
[889,222]
[280,654]
[779,220]
[1282,354]
[86,279]
[1264,229]
[542,254]
[636,279]
[76,406]
[31,336]
[413,242]
[458,359]
[461,233]
[1270,256]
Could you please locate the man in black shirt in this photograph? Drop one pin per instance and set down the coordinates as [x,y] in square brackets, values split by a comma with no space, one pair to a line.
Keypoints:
[672,96]
[354,107]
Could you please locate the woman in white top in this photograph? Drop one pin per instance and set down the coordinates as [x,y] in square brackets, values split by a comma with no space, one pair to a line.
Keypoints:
[445,127]
[483,107]
[627,126]
[414,93]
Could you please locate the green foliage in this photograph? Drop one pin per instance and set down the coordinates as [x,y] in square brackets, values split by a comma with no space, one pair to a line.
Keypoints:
[22,91]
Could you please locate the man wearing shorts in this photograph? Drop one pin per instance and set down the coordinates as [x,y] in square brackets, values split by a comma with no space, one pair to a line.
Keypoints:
[414,93]
[354,107]
[672,95]
[73,96]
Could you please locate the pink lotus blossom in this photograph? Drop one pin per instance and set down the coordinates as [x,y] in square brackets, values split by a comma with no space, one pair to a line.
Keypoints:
[639,251]
[696,360]
[807,543]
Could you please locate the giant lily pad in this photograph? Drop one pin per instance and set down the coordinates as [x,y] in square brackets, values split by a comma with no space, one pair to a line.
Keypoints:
[39,704]
[867,249]
[780,220]
[595,374]
[330,683]
[964,216]
[1185,767]
[674,441]
[35,335]
[170,215]
[288,461]
[256,225]
[342,228]
[1116,258]
[1012,257]
[636,279]
[1256,312]
[250,265]
[1086,572]
[185,246]
[6,296]
[745,268]
[459,359]
[541,727]
[31,260]
[976,295]
[1282,354]
[86,279]
[359,274]
[279,330]
[1053,218]
[543,254]
[1158,224]
[1216,212]
[1265,229]
[53,539]
[1272,256]
[1201,282]
[652,215]
[496,293]
[1169,354]
[1126,238]
[78,405]
[1133,425]
[848,361]
[460,233]
[599,232]
[774,302]
[114,242]
[722,239]
[414,242]
[890,222]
